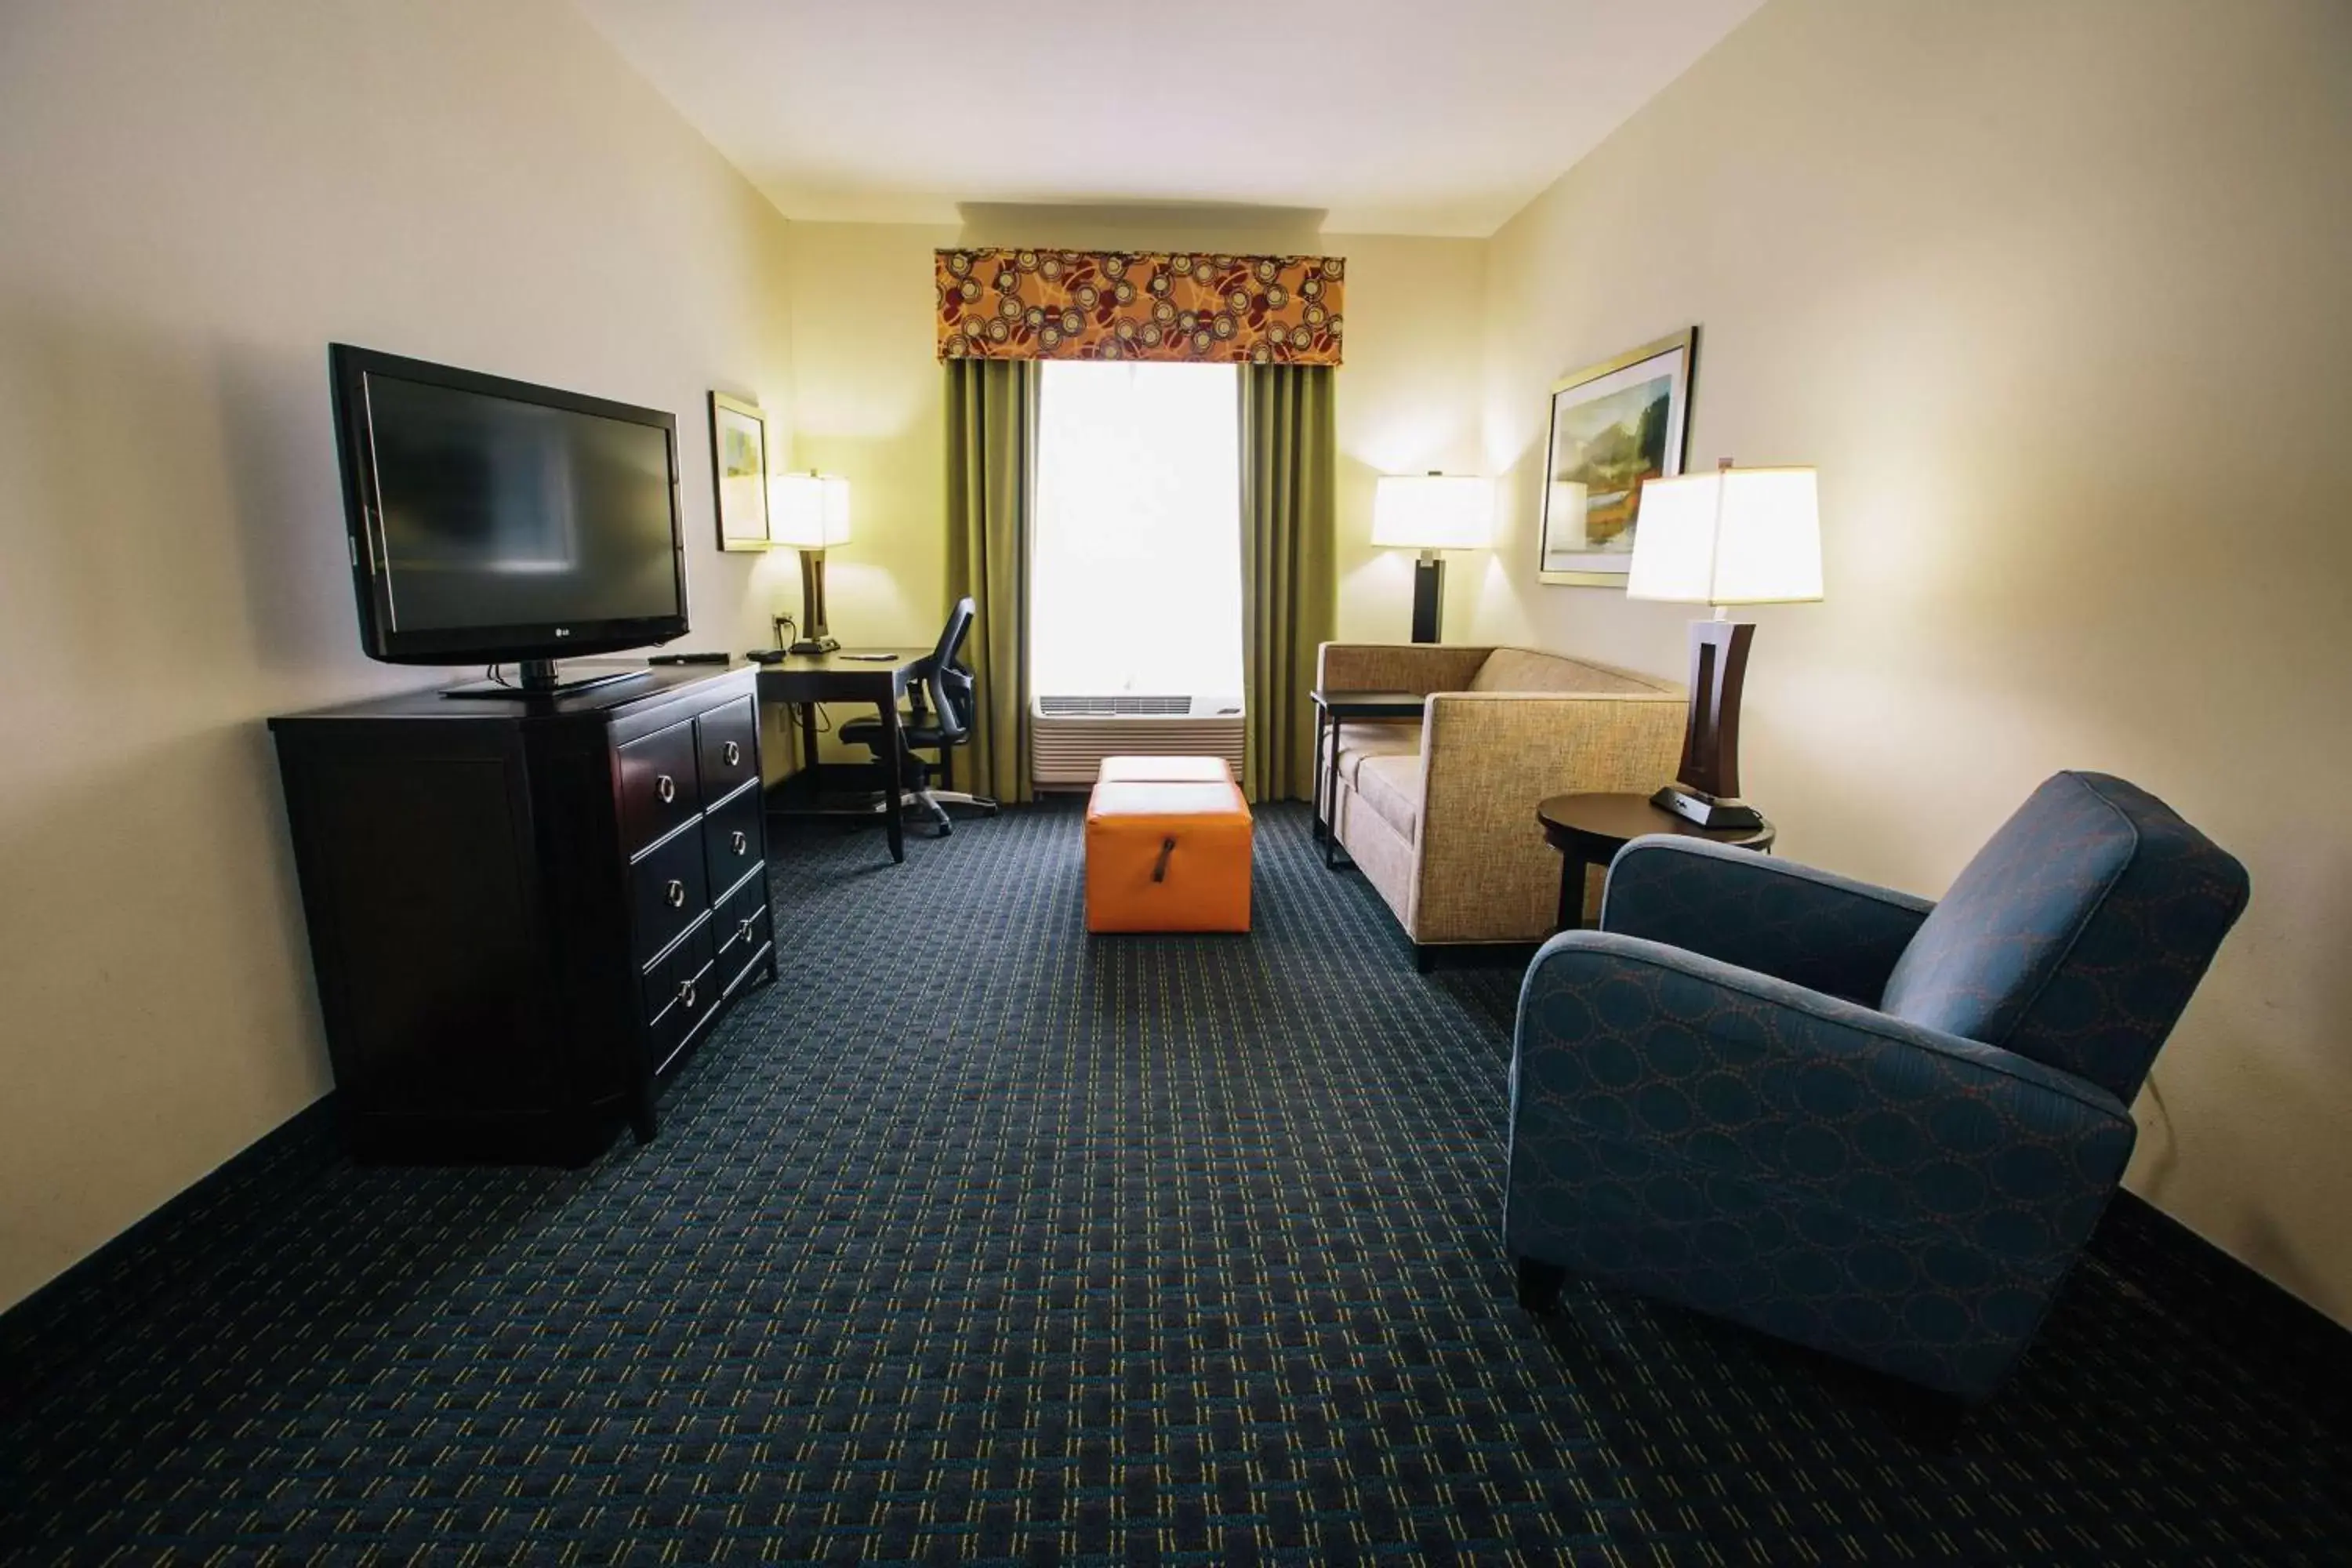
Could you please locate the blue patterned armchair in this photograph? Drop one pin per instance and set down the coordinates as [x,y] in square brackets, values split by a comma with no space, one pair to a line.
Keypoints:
[1848,1117]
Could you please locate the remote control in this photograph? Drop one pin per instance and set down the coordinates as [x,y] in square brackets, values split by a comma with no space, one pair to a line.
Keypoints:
[688,658]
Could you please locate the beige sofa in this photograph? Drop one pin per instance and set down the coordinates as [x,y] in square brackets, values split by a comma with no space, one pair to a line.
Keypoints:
[1441,814]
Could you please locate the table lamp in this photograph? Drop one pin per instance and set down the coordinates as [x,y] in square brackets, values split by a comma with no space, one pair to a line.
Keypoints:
[809,512]
[1736,536]
[1430,512]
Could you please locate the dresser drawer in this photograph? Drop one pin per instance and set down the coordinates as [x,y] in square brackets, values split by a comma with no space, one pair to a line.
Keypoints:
[729,740]
[730,840]
[658,788]
[739,930]
[680,991]
[669,890]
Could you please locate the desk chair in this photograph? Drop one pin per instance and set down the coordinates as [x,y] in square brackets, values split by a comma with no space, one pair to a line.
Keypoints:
[940,725]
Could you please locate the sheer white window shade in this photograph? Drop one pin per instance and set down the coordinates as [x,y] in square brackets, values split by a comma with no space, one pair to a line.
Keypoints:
[1136,572]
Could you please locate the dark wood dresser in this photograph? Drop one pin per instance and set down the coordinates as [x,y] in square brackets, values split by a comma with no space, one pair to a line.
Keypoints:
[525,915]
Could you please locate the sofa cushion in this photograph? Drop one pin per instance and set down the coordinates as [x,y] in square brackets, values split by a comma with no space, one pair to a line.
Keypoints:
[1524,669]
[1391,786]
[1359,739]
[2077,933]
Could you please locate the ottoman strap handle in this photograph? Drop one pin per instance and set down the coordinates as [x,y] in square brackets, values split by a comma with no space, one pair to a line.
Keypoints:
[1159,866]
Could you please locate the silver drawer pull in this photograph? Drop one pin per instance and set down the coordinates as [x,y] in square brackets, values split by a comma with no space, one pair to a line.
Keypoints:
[685,995]
[741,841]
[744,931]
[730,753]
[665,787]
[675,893]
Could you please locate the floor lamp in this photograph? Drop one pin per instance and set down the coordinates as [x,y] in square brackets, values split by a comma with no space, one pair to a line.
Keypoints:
[1430,512]
[1736,536]
[810,512]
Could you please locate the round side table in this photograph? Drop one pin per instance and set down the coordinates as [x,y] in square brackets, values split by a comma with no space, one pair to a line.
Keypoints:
[1588,829]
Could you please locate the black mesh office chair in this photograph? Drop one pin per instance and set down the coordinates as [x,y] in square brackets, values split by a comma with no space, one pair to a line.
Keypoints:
[944,705]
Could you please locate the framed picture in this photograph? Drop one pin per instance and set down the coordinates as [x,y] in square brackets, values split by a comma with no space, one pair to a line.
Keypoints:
[1613,425]
[739,468]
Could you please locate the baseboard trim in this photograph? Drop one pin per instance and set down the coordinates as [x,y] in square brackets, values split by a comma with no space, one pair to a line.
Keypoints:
[49,1333]
[2277,1337]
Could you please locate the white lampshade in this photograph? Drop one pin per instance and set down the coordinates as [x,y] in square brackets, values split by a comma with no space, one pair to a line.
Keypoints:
[808,511]
[1736,536]
[1433,511]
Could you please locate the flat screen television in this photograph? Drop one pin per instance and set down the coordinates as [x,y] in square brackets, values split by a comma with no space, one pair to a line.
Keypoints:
[494,521]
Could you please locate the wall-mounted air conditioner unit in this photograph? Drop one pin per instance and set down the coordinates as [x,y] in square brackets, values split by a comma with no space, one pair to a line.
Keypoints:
[1070,736]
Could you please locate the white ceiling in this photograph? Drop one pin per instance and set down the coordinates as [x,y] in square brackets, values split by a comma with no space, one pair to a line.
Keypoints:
[1391,116]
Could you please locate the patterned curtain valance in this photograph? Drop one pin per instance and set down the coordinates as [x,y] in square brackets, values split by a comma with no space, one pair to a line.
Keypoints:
[1182,306]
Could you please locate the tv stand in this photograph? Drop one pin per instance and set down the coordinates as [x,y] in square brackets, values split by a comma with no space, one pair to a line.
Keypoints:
[526,917]
[538,678]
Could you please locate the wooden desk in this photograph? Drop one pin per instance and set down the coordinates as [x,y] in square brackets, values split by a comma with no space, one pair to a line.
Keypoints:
[841,676]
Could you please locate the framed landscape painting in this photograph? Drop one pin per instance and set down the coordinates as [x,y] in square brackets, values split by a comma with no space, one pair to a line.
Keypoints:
[738,461]
[1613,425]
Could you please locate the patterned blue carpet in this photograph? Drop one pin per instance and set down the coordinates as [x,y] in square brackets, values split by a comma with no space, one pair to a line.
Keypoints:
[982,1240]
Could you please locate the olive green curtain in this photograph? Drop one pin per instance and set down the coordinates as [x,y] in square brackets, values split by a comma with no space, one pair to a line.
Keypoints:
[1289,583]
[992,427]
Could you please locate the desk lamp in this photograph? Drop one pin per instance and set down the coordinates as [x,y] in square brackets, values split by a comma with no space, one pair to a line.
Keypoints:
[1736,536]
[809,512]
[1430,512]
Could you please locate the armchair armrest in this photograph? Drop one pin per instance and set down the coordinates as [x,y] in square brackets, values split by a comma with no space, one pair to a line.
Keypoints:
[1799,1163]
[918,683]
[1396,667]
[1824,1027]
[1811,928]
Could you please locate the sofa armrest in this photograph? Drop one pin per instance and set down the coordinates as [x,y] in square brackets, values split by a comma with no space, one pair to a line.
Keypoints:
[1396,667]
[1809,927]
[1802,1165]
[1488,758]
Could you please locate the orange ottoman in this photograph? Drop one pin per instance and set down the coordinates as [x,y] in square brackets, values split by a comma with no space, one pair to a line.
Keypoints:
[1168,847]
[1164,770]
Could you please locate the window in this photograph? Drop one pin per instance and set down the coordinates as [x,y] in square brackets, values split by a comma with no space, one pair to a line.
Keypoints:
[1135,569]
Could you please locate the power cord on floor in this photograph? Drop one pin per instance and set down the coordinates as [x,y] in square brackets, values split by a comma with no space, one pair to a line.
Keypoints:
[2169,1150]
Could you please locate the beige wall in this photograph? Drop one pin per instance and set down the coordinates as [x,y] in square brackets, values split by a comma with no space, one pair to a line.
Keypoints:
[2055,296]
[868,389]
[867,406]
[1408,402]
[195,200]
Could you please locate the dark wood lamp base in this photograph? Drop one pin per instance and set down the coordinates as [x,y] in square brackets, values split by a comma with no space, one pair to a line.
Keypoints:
[814,639]
[1705,811]
[1428,596]
[1706,790]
